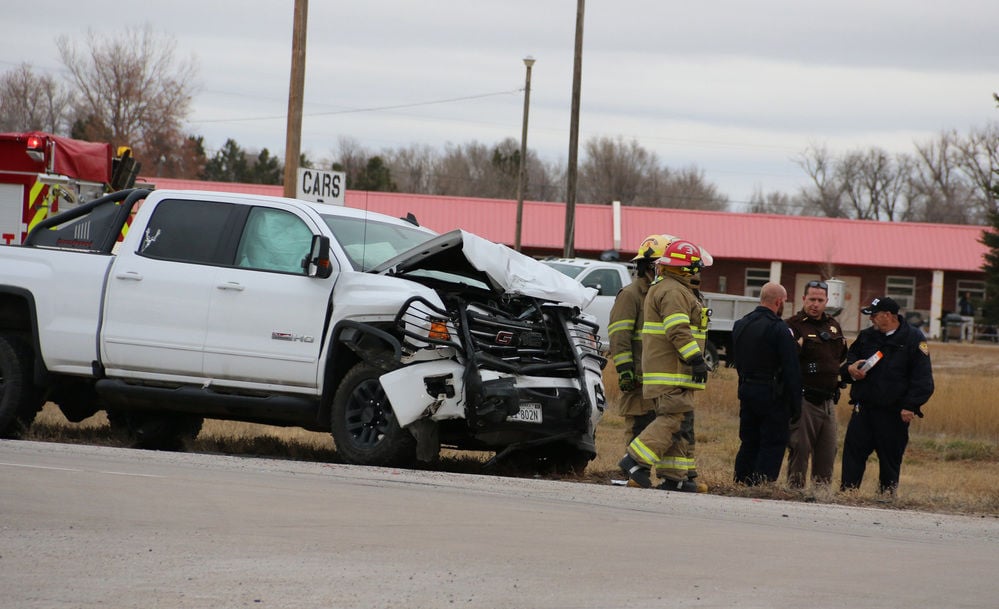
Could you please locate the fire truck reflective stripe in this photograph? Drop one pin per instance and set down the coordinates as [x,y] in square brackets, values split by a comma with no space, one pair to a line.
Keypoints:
[38,204]
[124,228]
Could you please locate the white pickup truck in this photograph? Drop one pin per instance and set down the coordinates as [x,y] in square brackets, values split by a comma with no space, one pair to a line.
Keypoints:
[285,312]
[609,277]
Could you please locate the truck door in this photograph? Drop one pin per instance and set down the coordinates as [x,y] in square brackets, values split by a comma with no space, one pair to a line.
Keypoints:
[266,318]
[158,297]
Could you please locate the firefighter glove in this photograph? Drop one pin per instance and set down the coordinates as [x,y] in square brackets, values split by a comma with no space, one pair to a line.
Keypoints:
[626,379]
[698,369]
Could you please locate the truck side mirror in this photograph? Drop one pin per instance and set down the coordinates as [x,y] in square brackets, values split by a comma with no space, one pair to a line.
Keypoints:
[318,263]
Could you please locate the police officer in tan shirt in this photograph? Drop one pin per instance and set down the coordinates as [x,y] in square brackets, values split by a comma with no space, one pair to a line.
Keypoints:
[821,353]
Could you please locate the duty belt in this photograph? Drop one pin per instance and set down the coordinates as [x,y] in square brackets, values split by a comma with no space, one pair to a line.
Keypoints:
[759,378]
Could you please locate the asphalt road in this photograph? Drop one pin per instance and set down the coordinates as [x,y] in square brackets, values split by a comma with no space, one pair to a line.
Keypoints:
[86,526]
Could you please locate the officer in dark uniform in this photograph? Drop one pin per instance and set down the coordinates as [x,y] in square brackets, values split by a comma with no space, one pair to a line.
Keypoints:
[766,357]
[887,394]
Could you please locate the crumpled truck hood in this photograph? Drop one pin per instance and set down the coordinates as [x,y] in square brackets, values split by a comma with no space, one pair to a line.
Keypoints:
[505,270]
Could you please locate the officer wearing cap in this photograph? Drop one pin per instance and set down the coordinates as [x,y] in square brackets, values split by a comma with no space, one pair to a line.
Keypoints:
[889,367]
[821,353]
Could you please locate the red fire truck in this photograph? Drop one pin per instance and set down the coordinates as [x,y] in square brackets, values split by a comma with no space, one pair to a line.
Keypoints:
[42,174]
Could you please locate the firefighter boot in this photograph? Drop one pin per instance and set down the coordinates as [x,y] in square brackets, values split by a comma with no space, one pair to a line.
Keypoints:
[683,486]
[638,476]
[701,486]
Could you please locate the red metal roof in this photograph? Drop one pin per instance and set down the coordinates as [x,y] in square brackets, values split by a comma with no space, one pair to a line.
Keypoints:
[726,235]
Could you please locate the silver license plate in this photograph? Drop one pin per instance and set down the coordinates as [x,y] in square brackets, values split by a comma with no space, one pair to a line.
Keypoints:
[529,413]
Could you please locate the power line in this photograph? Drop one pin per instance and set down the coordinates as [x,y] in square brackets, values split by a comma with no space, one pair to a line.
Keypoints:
[371,109]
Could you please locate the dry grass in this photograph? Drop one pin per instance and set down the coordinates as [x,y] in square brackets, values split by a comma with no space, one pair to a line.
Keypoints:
[951,466]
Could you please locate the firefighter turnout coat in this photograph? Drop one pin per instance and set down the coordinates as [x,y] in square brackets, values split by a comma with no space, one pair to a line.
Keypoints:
[625,332]
[673,333]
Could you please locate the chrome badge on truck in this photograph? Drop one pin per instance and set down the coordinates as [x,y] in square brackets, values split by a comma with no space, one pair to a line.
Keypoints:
[292,337]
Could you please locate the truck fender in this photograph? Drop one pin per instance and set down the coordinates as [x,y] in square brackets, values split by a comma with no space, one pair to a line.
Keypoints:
[409,390]
[371,344]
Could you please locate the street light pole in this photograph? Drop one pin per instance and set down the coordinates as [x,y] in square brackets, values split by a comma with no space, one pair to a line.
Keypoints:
[522,169]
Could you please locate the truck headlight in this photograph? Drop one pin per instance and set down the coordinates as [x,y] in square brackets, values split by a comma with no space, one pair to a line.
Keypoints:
[438,330]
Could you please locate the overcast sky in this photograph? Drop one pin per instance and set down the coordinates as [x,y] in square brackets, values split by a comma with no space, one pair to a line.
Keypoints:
[737,89]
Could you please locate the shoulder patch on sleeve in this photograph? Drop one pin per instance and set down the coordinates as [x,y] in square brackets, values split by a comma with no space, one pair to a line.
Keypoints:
[924,348]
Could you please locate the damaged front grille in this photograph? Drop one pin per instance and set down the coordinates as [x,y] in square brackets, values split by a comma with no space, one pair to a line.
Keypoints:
[519,336]
[522,340]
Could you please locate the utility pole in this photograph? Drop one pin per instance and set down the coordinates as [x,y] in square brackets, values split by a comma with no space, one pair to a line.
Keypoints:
[522,169]
[296,93]
[570,195]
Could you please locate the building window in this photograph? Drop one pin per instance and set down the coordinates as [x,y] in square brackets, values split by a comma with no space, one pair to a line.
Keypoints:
[902,290]
[974,289]
[755,279]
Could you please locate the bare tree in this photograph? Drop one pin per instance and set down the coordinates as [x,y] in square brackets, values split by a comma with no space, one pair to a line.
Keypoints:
[978,158]
[874,184]
[825,196]
[940,191]
[130,90]
[687,189]
[32,102]
[414,168]
[349,157]
[774,202]
[477,170]
[545,181]
[615,170]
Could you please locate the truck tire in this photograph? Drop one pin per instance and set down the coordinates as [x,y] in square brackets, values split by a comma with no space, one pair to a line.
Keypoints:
[365,430]
[19,399]
[156,430]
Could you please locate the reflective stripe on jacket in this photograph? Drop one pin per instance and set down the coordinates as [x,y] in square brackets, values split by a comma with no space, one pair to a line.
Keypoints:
[624,328]
[674,333]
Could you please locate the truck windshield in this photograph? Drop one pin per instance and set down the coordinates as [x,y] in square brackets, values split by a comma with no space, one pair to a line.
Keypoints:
[369,243]
[565,269]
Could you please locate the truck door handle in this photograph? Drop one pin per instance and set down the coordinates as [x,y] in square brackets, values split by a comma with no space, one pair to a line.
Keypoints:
[230,285]
[132,275]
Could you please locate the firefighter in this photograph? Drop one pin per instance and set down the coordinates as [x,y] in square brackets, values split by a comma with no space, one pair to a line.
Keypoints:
[673,367]
[766,357]
[625,333]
